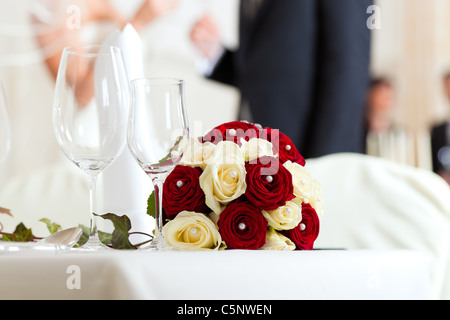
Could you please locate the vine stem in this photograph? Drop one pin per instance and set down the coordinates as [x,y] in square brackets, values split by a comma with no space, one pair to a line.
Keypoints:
[144,234]
[15,234]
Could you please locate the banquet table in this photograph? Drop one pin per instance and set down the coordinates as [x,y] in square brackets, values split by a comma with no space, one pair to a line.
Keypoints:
[223,275]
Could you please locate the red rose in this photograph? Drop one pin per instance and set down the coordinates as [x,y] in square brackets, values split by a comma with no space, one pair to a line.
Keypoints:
[307,230]
[182,192]
[269,184]
[232,131]
[288,151]
[242,226]
[283,146]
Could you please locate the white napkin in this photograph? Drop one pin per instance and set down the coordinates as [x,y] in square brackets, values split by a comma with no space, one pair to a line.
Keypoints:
[125,186]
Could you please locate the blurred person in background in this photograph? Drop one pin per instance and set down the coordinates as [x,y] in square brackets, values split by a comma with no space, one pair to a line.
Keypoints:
[440,140]
[70,32]
[384,138]
[82,13]
[163,26]
[301,67]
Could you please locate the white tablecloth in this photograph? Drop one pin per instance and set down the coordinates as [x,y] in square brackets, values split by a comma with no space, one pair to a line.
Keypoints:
[235,275]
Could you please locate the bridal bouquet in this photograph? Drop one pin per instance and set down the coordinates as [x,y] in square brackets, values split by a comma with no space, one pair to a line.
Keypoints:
[242,186]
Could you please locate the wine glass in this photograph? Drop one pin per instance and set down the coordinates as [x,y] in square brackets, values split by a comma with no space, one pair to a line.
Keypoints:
[158,131]
[90,113]
[5,130]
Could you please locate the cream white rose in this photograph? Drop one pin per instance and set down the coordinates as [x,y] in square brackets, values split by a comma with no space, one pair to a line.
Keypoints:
[223,179]
[197,153]
[298,201]
[302,180]
[277,241]
[256,148]
[306,189]
[207,151]
[316,200]
[192,231]
[284,218]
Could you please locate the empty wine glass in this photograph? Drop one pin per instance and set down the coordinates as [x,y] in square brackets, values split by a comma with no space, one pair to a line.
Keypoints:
[157,135]
[5,131]
[90,113]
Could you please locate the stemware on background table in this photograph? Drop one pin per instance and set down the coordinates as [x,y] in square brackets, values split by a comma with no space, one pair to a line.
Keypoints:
[5,130]
[157,135]
[90,113]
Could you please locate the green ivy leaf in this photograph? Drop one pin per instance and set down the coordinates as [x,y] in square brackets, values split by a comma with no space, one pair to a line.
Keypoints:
[51,226]
[85,236]
[8,237]
[23,234]
[20,234]
[104,237]
[120,235]
[151,203]
[20,228]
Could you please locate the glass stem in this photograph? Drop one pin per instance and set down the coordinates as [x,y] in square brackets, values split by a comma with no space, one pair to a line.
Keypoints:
[93,203]
[158,185]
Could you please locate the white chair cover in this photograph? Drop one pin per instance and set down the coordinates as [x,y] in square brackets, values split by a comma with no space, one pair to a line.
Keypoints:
[371,203]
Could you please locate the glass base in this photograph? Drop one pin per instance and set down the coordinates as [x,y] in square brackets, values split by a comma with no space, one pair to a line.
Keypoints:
[94,244]
[158,243]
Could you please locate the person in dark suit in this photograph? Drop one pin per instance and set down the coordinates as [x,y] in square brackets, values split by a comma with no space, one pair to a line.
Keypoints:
[440,141]
[302,67]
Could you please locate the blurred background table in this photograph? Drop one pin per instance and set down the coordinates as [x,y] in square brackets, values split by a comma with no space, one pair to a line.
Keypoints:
[226,275]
